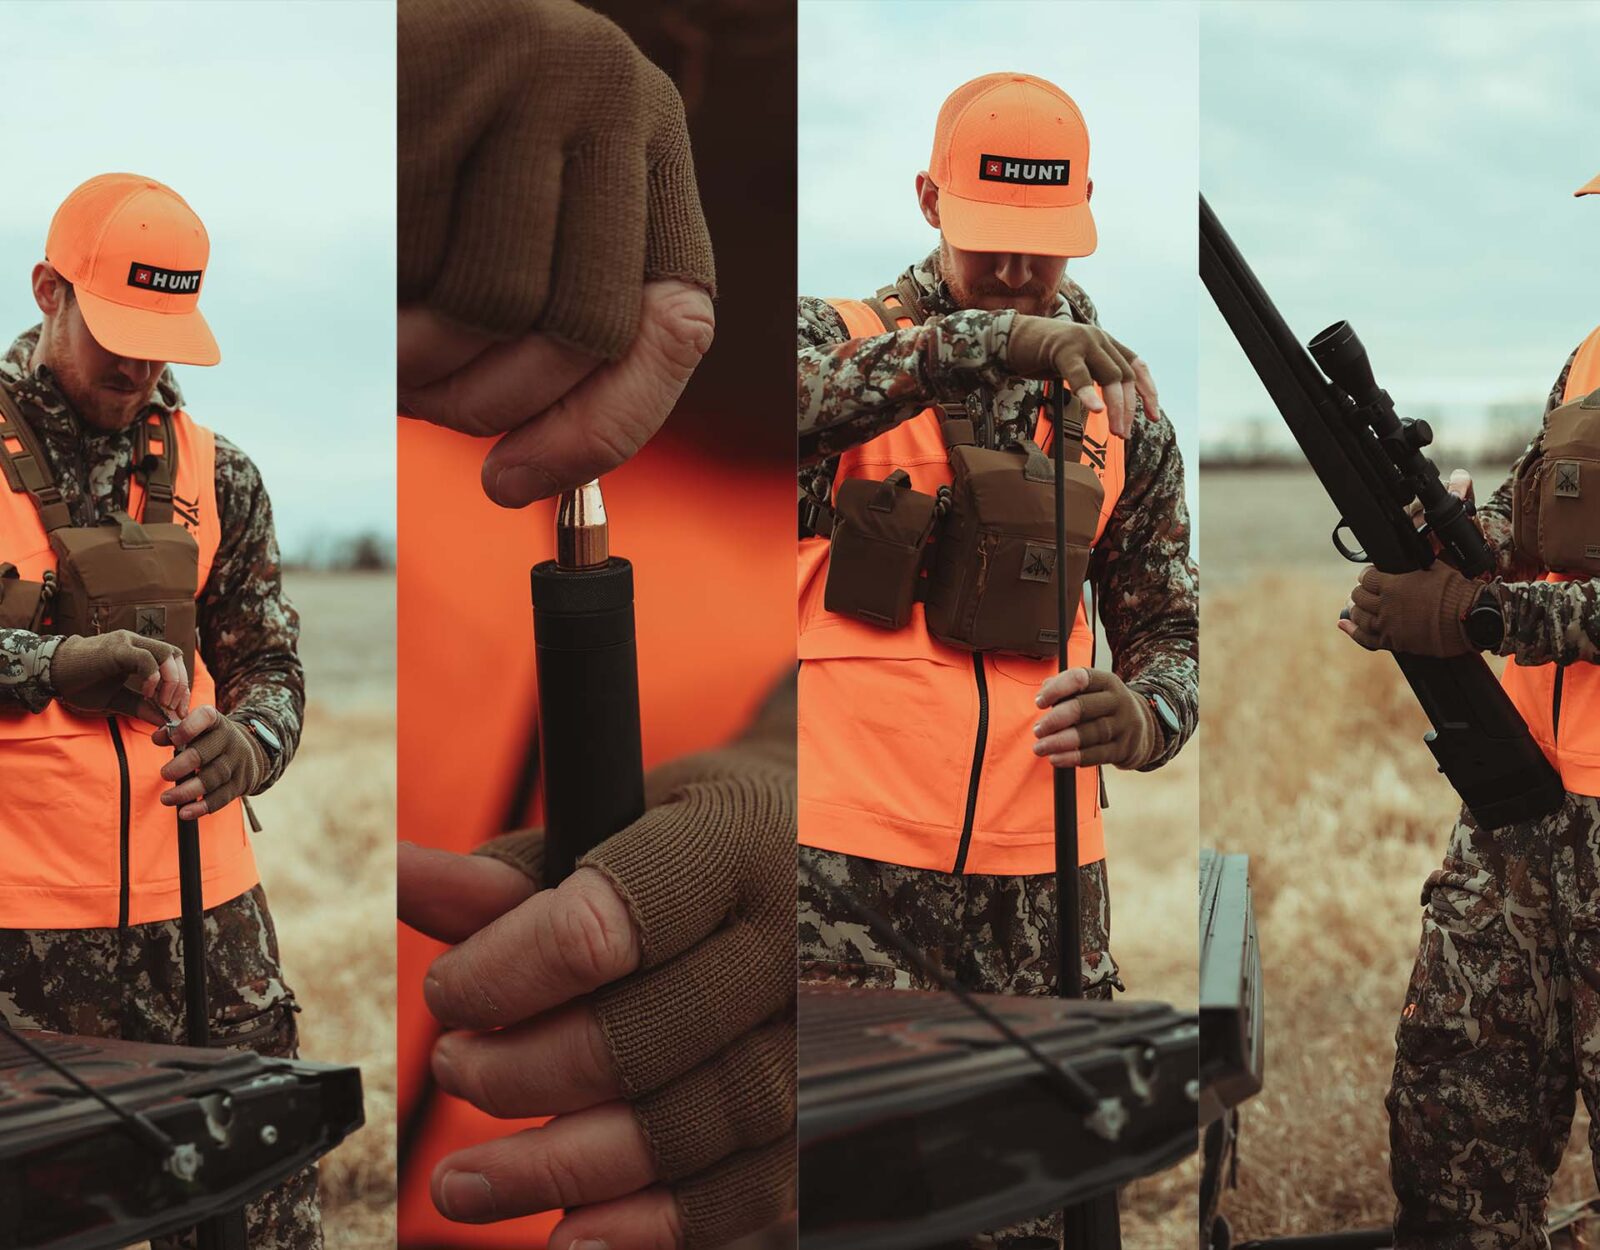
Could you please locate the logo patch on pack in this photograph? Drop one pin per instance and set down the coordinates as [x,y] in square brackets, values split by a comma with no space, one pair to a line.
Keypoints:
[1028,173]
[151,622]
[1038,563]
[167,281]
[1567,479]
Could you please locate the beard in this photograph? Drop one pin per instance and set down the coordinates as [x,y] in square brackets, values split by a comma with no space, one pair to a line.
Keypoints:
[1033,298]
[108,402]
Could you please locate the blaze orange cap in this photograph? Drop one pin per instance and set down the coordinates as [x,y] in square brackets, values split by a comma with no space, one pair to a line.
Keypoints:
[135,254]
[1011,161]
[1592,187]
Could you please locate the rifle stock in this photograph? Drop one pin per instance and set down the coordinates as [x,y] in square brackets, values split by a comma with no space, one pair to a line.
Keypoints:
[1371,465]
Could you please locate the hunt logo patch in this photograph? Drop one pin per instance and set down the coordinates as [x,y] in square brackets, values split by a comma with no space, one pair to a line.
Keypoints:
[167,281]
[1027,173]
[151,622]
[1567,479]
[1038,563]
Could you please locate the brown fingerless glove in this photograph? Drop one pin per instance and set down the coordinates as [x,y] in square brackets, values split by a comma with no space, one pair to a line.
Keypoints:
[703,1035]
[230,762]
[544,172]
[1420,613]
[1117,725]
[104,672]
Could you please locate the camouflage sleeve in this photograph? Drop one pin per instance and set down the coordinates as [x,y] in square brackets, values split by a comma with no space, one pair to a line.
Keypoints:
[25,668]
[1146,582]
[1494,516]
[852,390]
[248,628]
[1546,622]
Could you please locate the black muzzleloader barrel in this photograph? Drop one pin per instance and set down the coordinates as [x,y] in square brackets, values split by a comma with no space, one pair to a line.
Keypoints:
[225,1231]
[1371,464]
[591,760]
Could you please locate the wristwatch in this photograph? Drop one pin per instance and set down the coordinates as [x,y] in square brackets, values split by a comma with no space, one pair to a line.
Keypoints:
[1166,718]
[270,742]
[1485,622]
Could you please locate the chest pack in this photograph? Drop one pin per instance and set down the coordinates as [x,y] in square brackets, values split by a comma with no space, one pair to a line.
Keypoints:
[140,575]
[1555,502]
[980,554]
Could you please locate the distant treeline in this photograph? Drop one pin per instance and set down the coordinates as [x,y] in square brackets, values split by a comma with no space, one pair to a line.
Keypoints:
[346,553]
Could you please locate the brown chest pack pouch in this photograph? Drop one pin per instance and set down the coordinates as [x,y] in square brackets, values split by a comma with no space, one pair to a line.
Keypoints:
[879,548]
[121,574]
[991,563]
[1555,502]
[993,583]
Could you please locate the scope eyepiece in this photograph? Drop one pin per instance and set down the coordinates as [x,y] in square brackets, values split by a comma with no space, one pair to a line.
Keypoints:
[1339,353]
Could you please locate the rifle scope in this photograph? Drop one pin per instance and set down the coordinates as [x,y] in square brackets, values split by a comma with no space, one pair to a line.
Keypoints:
[1340,354]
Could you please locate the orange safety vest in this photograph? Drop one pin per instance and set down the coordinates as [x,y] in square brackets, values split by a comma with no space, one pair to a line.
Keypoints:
[85,842]
[913,752]
[1561,703]
[715,629]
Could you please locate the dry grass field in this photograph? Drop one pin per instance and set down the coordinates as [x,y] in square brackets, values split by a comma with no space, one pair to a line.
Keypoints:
[1313,763]
[327,859]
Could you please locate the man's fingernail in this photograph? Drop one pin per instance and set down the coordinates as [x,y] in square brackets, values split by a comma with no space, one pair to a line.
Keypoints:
[588,1243]
[444,1070]
[516,485]
[466,1196]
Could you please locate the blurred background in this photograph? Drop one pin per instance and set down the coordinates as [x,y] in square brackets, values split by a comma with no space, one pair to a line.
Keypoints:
[1410,169]
[872,78]
[276,122]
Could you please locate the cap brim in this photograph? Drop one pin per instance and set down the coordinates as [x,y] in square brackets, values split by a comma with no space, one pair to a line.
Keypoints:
[1592,187]
[974,226]
[139,334]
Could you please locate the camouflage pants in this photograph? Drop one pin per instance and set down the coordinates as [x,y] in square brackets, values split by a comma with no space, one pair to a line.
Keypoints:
[1501,1028]
[128,983]
[990,934]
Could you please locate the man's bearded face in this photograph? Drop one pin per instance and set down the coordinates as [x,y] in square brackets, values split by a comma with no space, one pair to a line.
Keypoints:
[997,280]
[107,391]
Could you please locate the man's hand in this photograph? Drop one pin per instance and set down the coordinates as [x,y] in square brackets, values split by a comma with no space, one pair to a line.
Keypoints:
[1459,485]
[220,757]
[565,417]
[545,172]
[647,1002]
[1083,355]
[121,672]
[1093,718]
[1420,613]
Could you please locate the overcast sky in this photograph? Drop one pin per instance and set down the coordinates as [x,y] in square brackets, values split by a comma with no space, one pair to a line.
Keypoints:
[872,77]
[1409,168]
[276,123]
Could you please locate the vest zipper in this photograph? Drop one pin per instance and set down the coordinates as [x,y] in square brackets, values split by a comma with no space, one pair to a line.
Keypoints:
[1555,707]
[978,748]
[126,798]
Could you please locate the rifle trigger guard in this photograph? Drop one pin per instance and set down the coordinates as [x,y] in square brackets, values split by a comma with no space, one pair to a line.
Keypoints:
[1355,556]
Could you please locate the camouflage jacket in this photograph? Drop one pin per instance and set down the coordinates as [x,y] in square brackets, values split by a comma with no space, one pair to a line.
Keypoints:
[248,630]
[1546,622]
[1146,584]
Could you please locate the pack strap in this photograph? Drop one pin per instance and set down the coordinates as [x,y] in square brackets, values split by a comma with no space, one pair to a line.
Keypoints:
[1072,424]
[157,467]
[904,308]
[26,469]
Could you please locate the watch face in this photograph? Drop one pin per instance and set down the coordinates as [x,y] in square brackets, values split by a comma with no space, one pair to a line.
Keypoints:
[266,735]
[1164,713]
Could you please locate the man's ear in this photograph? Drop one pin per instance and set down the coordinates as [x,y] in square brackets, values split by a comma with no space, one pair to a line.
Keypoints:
[928,199]
[49,289]
[1088,191]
